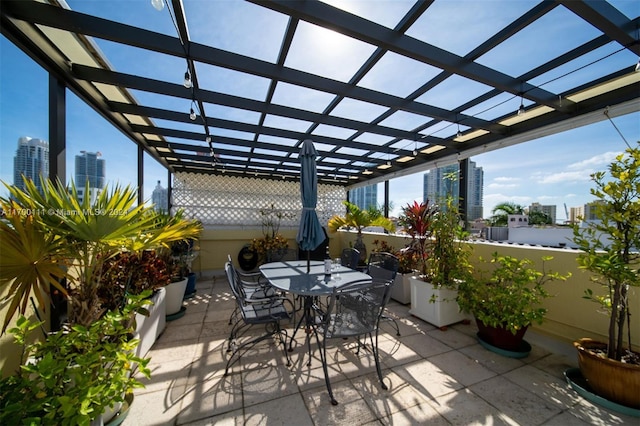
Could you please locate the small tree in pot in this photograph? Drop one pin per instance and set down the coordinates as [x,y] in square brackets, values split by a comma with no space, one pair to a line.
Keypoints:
[610,251]
[508,301]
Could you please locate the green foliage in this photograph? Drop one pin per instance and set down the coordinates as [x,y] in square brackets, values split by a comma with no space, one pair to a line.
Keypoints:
[501,212]
[448,263]
[610,246]
[360,219]
[49,235]
[511,296]
[73,375]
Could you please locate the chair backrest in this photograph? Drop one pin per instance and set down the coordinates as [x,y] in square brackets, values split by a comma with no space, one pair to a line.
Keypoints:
[234,282]
[350,257]
[383,266]
[355,309]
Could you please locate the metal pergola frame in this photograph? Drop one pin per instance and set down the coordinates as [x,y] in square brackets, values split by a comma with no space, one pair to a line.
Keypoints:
[406,151]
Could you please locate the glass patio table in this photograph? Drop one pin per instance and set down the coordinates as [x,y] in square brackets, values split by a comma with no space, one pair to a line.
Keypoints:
[292,277]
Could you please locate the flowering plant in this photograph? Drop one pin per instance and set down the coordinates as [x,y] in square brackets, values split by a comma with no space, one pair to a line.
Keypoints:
[272,241]
[269,244]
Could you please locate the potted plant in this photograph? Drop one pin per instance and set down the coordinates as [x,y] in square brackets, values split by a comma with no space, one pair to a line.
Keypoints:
[273,245]
[64,378]
[443,258]
[360,219]
[49,235]
[186,252]
[49,240]
[407,265]
[137,273]
[508,301]
[609,250]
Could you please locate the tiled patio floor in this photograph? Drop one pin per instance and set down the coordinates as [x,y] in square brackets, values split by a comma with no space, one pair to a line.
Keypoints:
[434,377]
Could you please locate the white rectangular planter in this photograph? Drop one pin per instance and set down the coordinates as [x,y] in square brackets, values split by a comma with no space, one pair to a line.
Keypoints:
[149,327]
[401,290]
[442,312]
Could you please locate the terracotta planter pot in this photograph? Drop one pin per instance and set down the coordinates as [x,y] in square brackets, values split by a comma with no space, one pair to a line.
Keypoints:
[613,380]
[500,337]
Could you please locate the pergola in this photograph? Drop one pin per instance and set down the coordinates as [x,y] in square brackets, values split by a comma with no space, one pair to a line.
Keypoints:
[455,101]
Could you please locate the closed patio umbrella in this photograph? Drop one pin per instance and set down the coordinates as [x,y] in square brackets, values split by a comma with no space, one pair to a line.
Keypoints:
[310,233]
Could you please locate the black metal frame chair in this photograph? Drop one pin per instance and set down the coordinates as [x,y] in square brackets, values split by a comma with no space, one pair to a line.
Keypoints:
[253,284]
[350,257]
[267,311]
[383,266]
[354,310]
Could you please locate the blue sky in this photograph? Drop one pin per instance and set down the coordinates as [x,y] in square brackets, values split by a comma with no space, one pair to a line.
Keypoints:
[552,170]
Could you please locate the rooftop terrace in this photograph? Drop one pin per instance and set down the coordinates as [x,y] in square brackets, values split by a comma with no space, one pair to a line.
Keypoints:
[435,377]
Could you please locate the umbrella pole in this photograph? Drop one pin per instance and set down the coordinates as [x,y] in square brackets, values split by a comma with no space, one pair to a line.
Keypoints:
[308,261]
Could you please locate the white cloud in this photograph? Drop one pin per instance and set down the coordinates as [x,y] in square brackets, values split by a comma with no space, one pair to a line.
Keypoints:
[562,177]
[506,179]
[595,161]
[502,185]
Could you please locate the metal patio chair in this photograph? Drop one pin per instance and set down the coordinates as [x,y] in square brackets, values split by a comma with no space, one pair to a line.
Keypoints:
[350,257]
[383,266]
[267,311]
[354,310]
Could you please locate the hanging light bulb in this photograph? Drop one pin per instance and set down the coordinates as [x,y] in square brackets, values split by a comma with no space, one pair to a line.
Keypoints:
[192,114]
[158,4]
[521,109]
[638,65]
[459,134]
[207,139]
[187,80]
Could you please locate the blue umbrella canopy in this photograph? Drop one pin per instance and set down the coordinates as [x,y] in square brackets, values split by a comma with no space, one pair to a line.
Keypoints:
[310,233]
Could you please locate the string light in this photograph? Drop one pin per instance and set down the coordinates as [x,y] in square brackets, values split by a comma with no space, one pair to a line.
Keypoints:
[187,80]
[192,113]
[158,5]
[521,109]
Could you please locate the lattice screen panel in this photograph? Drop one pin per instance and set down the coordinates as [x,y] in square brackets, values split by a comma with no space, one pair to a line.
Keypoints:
[219,200]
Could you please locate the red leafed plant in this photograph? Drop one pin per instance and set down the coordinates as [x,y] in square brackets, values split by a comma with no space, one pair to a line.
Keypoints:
[417,221]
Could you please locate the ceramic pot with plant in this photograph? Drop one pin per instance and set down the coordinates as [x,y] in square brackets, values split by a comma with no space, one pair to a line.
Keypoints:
[70,240]
[49,238]
[610,251]
[359,219]
[507,300]
[443,253]
[64,378]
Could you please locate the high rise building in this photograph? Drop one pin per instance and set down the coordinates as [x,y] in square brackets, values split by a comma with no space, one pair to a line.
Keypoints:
[160,198]
[364,197]
[445,180]
[549,210]
[31,161]
[89,167]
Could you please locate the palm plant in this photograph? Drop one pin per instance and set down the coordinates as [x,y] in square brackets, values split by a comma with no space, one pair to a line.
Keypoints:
[50,235]
[501,212]
[359,219]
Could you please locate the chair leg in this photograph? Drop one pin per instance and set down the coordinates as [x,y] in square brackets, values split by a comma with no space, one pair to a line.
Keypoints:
[323,358]
[395,324]
[247,345]
[376,357]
